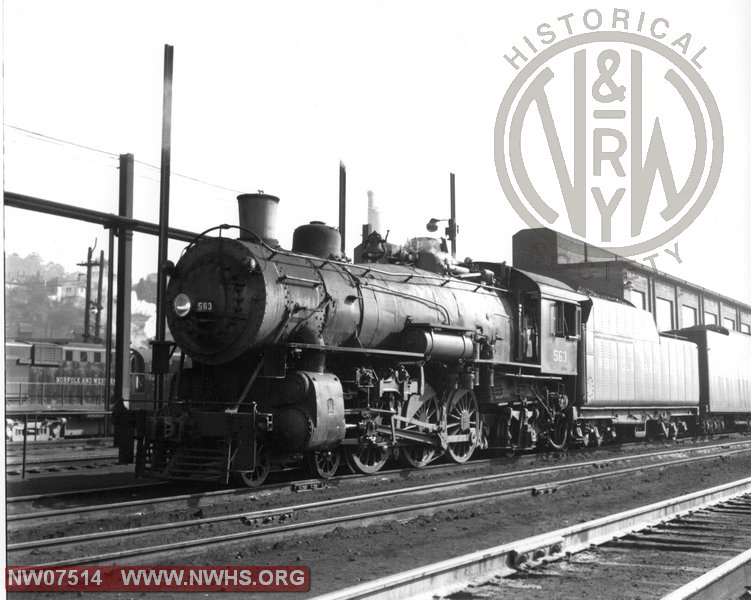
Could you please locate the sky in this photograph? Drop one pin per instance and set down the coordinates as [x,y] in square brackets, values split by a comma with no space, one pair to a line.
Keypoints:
[273,95]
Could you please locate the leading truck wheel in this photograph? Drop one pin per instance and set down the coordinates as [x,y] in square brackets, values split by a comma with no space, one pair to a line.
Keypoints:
[462,419]
[324,464]
[258,475]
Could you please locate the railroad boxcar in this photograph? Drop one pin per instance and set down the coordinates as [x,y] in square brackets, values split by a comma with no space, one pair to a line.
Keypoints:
[724,376]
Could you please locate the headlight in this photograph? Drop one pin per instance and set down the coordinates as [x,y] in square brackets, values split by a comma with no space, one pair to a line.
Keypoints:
[181,305]
[250,263]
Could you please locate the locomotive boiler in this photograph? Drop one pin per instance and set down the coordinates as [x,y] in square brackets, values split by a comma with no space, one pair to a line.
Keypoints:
[301,356]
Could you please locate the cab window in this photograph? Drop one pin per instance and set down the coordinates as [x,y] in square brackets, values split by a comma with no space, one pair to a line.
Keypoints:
[565,320]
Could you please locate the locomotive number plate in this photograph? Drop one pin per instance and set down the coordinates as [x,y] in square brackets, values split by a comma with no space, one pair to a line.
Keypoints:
[205,306]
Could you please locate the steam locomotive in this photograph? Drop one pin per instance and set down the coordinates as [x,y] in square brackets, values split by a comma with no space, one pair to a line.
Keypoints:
[299,356]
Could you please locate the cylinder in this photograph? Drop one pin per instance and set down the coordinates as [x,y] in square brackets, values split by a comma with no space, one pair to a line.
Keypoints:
[441,346]
[293,428]
[294,388]
[258,214]
[318,239]
[318,422]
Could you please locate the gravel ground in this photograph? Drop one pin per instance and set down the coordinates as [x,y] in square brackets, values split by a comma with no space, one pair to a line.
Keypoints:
[347,556]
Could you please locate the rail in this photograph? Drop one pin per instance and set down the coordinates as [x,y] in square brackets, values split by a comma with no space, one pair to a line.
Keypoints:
[730,580]
[732,448]
[281,513]
[451,575]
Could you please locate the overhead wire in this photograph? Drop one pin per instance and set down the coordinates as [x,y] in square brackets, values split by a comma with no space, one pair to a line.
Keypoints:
[59,141]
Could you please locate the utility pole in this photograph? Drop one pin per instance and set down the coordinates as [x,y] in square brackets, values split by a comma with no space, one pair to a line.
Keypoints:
[98,317]
[88,303]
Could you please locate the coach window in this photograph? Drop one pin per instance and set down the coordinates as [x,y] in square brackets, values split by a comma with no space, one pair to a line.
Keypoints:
[97,357]
[566,319]
[137,364]
[639,299]
[688,316]
[664,314]
[745,328]
[728,323]
[710,318]
[84,357]
[69,355]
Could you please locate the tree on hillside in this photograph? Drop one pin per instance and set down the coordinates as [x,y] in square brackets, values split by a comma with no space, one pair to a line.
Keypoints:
[145,289]
[31,306]
[17,268]
[28,302]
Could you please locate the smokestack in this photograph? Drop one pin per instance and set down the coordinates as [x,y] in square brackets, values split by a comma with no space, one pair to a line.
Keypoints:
[374,215]
[258,214]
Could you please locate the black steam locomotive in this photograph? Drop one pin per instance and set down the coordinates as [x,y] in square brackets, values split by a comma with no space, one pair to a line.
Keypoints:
[301,356]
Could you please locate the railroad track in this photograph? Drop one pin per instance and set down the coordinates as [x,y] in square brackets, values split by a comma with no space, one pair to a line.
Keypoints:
[641,553]
[346,511]
[79,495]
[51,463]
[298,485]
[57,464]
[31,443]
[51,459]
[304,485]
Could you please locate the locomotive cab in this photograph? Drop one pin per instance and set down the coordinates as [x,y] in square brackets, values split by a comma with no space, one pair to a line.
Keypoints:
[550,317]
